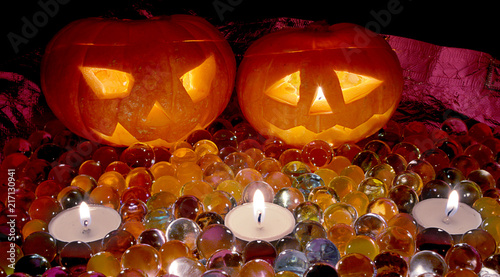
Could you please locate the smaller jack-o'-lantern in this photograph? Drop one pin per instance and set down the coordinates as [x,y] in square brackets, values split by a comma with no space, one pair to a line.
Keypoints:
[339,83]
[124,81]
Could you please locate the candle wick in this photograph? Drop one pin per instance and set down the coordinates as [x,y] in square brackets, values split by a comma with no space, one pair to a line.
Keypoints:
[259,219]
[447,217]
[86,228]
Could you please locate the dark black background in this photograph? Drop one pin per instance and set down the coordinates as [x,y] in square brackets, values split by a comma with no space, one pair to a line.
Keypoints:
[472,25]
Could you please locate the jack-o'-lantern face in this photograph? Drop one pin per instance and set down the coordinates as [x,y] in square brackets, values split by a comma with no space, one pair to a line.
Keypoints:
[152,81]
[325,88]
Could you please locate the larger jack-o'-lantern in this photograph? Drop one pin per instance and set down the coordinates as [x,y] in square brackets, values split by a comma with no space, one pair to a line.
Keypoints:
[124,81]
[339,83]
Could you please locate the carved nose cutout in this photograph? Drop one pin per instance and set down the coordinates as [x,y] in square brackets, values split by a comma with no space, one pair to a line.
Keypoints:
[320,105]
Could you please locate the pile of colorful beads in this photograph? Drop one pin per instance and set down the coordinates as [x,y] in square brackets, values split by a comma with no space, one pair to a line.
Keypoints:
[352,204]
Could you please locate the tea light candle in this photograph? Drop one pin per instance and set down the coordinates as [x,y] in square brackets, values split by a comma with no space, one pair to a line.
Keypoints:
[87,223]
[448,214]
[270,221]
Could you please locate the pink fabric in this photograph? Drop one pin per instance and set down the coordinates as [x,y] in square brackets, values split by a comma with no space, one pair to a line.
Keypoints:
[462,80]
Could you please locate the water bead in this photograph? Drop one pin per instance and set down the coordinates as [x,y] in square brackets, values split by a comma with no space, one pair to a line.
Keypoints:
[158,219]
[187,206]
[370,225]
[36,170]
[196,188]
[249,143]
[295,169]
[291,155]
[57,271]
[207,218]
[135,193]
[34,225]
[452,176]
[340,234]
[114,180]
[105,155]
[48,152]
[259,249]
[116,242]
[396,161]
[342,185]
[435,189]
[407,150]
[256,154]
[70,197]
[406,221]
[130,272]
[366,159]
[238,161]
[404,197]
[348,150]
[267,166]
[205,146]
[133,209]
[410,179]
[291,260]
[464,256]
[161,200]
[396,239]
[465,164]
[461,272]
[138,154]
[339,213]
[185,230]
[390,262]
[481,241]
[480,132]
[105,263]
[434,239]
[33,264]
[317,153]
[183,155]
[423,168]
[215,273]
[427,262]
[468,192]
[118,166]
[219,202]
[163,168]
[384,207]
[308,211]
[487,207]
[256,267]
[134,227]
[323,197]
[105,196]
[143,257]
[247,176]
[355,265]
[288,198]
[437,158]
[454,126]
[378,147]
[306,231]
[320,269]
[224,138]
[226,151]
[139,177]
[483,179]
[74,254]
[217,173]
[307,182]
[44,208]
[383,172]
[169,184]
[450,147]
[187,172]
[232,187]
[373,188]
[162,154]
[251,188]
[273,147]
[90,168]
[172,250]
[322,250]
[214,237]
[41,243]
[287,242]
[354,172]
[278,180]
[363,245]
[62,174]
[10,253]
[152,237]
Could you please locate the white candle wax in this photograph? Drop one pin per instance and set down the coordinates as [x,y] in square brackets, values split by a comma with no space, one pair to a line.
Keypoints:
[67,227]
[278,222]
[431,213]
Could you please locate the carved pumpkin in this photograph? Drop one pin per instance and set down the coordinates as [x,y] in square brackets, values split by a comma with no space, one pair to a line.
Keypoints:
[123,81]
[339,83]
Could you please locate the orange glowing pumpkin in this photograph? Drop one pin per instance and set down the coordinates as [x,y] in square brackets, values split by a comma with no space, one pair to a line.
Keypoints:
[123,81]
[338,83]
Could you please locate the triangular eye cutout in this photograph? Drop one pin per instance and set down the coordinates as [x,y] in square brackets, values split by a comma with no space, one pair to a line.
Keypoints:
[286,90]
[320,105]
[108,83]
[198,81]
[356,86]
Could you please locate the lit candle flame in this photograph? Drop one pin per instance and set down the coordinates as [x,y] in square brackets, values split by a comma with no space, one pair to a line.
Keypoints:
[85,215]
[259,208]
[451,206]
[319,94]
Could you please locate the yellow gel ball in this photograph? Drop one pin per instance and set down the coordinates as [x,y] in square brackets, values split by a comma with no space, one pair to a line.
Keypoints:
[363,245]
[105,263]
